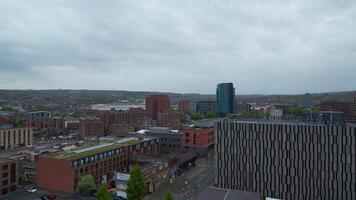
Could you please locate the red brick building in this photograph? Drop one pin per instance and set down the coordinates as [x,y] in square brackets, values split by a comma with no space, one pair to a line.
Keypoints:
[4,120]
[91,127]
[62,171]
[56,122]
[184,105]
[125,121]
[157,103]
[348,108]
[38,119]
[200,138]
[168,119]
[9,176]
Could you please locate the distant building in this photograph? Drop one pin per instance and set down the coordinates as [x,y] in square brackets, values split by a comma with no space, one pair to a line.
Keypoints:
[56,122]
[91,127]
[62,171]
[276,114]
[326,117]
[9,178]
[15,137]
[225,96]
[170,140]
[125,121]
[184,105]
[307,101]
[157,103]
[204,107]
[38,119]
[286,160]
[243,107]
[348,108]
[200,138]
[71,123]
[325,98]
[168,119]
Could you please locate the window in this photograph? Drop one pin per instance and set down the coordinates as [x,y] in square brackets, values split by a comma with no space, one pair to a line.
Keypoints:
[5,167]
[5,175]
[4,191]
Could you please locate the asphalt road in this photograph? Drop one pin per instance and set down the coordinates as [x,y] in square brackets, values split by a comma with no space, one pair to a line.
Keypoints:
[187,187]
[24,195]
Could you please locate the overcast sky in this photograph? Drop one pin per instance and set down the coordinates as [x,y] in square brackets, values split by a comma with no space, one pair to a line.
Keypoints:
[269,47]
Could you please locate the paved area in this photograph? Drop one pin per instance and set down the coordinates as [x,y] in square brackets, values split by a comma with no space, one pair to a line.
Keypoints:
[188,186]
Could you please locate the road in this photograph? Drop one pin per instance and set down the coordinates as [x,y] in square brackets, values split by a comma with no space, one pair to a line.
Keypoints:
[187,187]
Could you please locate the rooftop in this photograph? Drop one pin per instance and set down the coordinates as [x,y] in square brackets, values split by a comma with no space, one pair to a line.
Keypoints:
[103,146]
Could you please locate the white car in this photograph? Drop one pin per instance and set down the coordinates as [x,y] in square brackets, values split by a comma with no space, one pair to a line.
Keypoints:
[31,190]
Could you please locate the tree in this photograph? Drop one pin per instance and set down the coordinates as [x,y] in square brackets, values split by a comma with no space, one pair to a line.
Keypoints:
[136,186]
[210,115]
[103,193]
[196,116]
[86,184]
[168,196]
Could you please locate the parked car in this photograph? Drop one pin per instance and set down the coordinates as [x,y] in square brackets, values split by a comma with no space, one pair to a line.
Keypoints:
[52,196]
[31,190]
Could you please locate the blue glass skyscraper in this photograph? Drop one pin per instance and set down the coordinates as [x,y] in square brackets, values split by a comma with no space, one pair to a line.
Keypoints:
[225,96]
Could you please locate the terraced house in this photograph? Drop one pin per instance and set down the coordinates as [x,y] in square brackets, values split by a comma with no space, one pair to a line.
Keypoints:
[61,171]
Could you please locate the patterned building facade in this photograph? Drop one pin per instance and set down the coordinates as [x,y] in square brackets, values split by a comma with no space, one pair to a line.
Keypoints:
[287,160]
[15,137]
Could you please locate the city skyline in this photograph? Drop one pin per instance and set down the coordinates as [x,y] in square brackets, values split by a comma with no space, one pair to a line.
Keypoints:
[278,47]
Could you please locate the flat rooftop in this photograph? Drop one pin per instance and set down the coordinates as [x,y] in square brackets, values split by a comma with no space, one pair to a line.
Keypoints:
[84,151]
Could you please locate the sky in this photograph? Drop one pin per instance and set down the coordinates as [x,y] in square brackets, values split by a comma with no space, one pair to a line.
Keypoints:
[185,46]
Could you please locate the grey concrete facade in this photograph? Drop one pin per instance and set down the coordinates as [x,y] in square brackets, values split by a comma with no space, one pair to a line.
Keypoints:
[287,160]
[170,140]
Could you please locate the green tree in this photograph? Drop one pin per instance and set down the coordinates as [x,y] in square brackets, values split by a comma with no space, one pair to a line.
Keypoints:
[210,115]
[86,184]
[103,193]
[228,114]
[168,196]
[196,116]
[136,186]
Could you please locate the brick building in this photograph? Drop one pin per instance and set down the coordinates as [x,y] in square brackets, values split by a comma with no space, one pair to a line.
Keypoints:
[184,106]
[156,104]
[38,119]
[168,119]
[348,108]
[91,127]
[61,171]
[56,122]
[15,137]
[9,178]
[125,121]
[200,137]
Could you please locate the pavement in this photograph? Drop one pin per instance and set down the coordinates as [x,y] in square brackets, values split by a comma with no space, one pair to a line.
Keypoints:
[188,186]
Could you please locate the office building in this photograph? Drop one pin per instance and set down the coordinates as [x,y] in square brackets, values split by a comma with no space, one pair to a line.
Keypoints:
[225,96]
[307,101]
[204,107]
[9,178]
[184,106]
[125,121]
[61,171]
[170,140]
[168,119]
[15,137]
[156,104]
[38,119]
[243,108]
[326,117]
[200,137]
[348,108]
[91,127]
[287,160]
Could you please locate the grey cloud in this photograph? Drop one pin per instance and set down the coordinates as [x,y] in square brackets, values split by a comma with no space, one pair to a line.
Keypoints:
[262,46]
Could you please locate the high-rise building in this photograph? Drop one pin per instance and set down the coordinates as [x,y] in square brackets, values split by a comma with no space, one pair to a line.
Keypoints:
[184,106]
[307,101]
[225,96]
[287,160]
[157,103]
